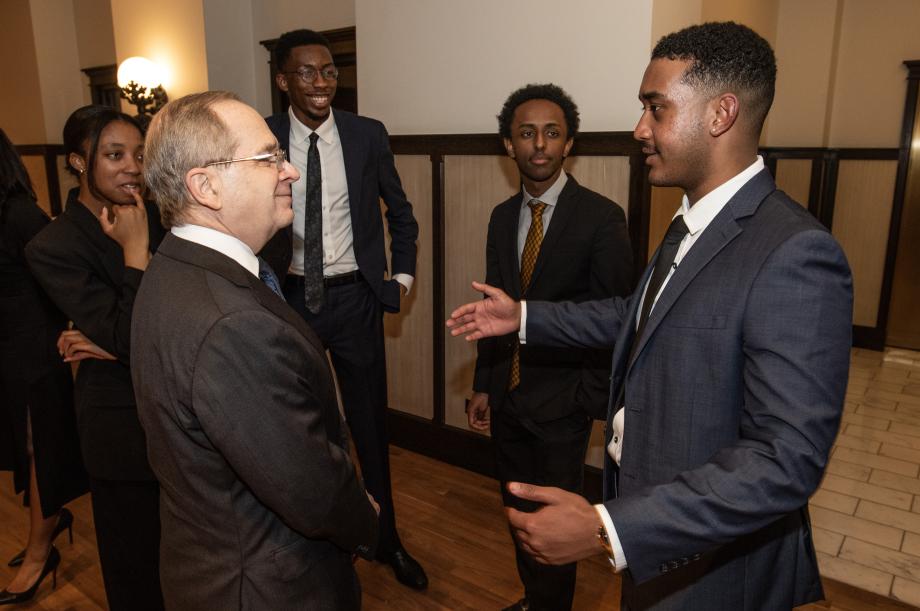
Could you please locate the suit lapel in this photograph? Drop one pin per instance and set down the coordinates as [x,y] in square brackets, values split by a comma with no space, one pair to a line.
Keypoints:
[507,240]
[723,229]
[353,152]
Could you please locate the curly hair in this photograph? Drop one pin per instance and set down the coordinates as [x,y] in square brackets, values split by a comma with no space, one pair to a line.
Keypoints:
[296,38]
[547,91]
[725,55]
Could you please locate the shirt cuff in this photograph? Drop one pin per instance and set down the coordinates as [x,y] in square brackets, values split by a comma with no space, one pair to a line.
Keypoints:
[404,279]
[522,332]
[619,558]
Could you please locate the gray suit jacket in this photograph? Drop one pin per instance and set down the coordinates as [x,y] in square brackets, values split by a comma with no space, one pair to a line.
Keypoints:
[261,507]
[733,400]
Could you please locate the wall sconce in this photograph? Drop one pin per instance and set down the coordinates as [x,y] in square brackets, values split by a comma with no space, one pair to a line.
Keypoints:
[141,83]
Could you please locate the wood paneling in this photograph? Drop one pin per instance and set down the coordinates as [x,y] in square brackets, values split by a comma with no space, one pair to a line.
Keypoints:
[665,202]
[794,177]
[862,214]
[473,185]
[608,176]
[410,350]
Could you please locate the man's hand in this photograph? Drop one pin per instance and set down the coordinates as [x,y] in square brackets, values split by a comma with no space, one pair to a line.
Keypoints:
[74,346]
[563,531]
[128,227]
[478,410]
[495,315]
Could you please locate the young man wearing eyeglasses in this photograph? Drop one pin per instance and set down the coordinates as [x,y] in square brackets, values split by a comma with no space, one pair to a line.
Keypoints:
[332,259]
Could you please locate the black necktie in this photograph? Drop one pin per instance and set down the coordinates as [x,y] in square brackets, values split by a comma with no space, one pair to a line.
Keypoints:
[313,231]
[267,275]
[676,232]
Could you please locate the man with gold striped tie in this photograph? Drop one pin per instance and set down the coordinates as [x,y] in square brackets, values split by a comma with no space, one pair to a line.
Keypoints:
[553,240]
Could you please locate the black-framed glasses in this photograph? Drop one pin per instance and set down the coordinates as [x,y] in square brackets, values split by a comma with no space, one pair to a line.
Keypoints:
[308,74]
[277,157]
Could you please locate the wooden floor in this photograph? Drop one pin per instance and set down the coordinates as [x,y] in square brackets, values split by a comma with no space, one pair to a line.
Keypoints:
[451,520]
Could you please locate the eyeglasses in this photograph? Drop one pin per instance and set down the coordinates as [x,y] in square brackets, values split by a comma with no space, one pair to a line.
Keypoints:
[308,74]
[278,158]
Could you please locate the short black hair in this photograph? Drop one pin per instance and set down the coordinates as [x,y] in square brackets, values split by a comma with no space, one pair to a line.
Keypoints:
[725,54]
[81,136]
[297,38]
[546,91]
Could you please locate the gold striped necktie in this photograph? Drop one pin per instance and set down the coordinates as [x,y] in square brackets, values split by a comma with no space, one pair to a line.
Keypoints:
[528,261]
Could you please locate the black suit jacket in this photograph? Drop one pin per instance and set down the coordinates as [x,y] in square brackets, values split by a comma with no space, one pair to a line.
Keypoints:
[371,175]
[83,272]
[261,507]
[584,255]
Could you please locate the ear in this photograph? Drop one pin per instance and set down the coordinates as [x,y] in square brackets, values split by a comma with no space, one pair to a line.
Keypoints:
[281,81]
[568,147]
[508,148]
[204,186]
[726,112]
[77,162]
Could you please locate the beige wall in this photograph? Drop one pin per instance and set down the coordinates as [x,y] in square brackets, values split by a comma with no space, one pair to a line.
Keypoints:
[21,115]
[440,66]
[168,32]
[95,39]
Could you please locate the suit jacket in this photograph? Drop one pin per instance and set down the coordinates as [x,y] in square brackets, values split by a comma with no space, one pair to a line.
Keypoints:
[260,505]
[585,255]
[83,272]
[371,175]
[733,400]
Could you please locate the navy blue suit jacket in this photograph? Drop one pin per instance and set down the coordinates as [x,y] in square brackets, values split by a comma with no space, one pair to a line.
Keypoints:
[371,175]
[733,399]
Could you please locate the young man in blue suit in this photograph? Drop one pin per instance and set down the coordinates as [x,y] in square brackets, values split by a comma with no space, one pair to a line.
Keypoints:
[730,360]
[332,260]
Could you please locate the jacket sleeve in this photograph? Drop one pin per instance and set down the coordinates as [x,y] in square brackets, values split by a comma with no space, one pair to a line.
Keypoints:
[72,279]
[273,430]
[401,222]
[796,352]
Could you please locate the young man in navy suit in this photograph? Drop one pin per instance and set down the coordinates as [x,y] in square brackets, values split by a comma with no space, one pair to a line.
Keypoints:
[332,260]
[730,360]
[553,240]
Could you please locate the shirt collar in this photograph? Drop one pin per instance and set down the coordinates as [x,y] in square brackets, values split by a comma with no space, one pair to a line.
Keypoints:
[223,243]
[698,216]
[551,196]
[300,132]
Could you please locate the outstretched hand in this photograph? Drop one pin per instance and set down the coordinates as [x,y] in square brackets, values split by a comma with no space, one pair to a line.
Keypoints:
[563,530]
[495,315]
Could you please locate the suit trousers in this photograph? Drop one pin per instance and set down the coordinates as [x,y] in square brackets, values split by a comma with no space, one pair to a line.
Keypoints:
[546,454]
[126,515]
[350,325]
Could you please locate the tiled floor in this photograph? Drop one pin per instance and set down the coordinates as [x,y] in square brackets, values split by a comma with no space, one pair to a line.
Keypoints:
[866,514]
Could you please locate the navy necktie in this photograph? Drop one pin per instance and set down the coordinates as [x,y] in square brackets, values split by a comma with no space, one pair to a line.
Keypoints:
[313,231]
[267,275]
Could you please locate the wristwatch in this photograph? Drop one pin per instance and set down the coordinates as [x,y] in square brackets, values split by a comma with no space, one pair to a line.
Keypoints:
[604,540]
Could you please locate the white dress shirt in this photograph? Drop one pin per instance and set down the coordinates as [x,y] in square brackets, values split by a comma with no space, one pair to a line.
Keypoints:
[550,197]
[338,240]
[223,243]
[697,218]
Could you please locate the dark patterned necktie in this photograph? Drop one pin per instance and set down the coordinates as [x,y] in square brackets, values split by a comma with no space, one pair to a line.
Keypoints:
[672,239]
[313,231]
[267,275]
[528,262]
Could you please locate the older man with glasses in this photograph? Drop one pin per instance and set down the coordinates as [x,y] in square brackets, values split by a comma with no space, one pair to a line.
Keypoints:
[260,504]
[332,259]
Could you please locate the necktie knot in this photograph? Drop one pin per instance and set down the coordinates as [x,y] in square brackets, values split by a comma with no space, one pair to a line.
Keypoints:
[313,138]
[536,208]
[676,230]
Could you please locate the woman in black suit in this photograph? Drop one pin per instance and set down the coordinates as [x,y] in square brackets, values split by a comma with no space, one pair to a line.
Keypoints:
[90,261]
[38,436]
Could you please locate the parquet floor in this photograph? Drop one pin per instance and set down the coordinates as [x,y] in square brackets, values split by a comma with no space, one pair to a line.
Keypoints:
[452,521]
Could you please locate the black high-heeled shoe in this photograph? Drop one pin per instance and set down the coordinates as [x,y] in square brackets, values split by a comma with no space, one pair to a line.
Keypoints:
[51,566]
[65,522]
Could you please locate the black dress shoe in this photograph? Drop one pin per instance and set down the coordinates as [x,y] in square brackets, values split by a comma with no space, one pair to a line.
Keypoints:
[51,565]
[408,571]
[65,522]
[521,605]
